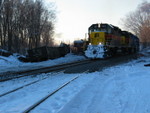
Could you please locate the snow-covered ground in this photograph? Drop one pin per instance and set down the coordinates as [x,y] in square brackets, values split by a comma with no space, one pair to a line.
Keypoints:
[119,89]
[11,63]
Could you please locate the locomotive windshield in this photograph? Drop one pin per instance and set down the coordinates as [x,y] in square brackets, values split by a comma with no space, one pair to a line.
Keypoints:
[100,28]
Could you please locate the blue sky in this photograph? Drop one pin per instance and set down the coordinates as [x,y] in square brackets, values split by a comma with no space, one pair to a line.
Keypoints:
[75,16]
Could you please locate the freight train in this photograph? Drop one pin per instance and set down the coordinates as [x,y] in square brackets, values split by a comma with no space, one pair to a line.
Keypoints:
[79,46]
[45,53]
[105,40]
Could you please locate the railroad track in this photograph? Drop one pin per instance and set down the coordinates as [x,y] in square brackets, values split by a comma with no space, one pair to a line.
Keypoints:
[23,86]
[14,75]
[43,98]
[36,104]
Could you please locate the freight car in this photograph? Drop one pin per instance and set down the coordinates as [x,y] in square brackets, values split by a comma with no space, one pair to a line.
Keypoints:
[79,46]
[5,53]
[45,53]
[106,40]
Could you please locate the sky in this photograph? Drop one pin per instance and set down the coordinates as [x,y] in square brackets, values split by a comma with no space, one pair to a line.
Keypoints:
[75,16]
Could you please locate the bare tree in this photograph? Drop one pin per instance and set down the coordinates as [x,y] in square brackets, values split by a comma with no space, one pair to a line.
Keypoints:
[1,42]
[25,24]
[47,34]
[139,22]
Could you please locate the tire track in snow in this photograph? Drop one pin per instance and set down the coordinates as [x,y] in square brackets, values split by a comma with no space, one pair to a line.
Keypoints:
[133,92]
[86,97]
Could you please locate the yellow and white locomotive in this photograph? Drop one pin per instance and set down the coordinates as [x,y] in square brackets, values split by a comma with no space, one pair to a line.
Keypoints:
[106,40]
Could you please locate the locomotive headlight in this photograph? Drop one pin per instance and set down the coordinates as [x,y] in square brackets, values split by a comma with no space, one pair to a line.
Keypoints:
[100,43]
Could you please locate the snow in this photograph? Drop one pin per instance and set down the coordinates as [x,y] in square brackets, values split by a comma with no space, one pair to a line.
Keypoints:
[11,63]
[95,51]
[120,89]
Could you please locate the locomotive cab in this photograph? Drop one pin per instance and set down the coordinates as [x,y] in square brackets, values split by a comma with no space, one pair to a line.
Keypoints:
[98,32]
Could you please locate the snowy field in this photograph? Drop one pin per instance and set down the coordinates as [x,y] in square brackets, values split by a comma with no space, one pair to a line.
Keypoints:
[119,89]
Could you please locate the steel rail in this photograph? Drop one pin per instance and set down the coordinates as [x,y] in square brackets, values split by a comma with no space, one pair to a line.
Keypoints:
[42,70]
[21,87]
[47,96]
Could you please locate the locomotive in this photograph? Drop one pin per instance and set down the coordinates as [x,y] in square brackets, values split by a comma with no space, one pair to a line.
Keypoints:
[105,40]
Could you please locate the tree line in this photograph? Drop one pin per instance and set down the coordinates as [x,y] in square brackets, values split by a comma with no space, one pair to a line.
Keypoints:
[25,24]
[138,22]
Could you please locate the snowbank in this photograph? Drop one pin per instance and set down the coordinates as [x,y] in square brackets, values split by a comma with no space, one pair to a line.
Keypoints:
[11,63]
